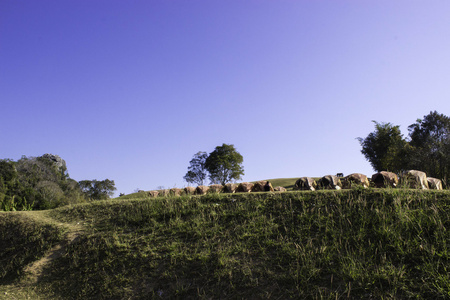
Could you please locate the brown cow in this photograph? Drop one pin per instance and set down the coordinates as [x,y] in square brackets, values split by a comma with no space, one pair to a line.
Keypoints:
[262,186]
[305,184]
[153,194]
[230,188]
[329,182]
[434,183]
[215,188]
[355,179]
[189,190]
[201,190]
[385,179]
[415,179]
[268,187]
[244,187]
[279,189]
[163,193]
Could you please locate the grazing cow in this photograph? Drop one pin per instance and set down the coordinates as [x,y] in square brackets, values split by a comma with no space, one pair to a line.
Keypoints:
[215,188]
[384,179]
[355,179]
[153,194]
[259,186]
[305,184]
[329,182]
[230,188]
[244,187]
[415,179]
[201,190]
[163,193]
[189,190]
[175,192]
[268,187]
[262,186]
[434,183]
[279,189]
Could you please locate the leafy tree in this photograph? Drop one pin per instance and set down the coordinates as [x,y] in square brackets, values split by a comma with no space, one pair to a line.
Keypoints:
[49,194]
[224,164]
[32,170]
[430,141]
[8,179]
[36,182]
[97,190]
[428,147]
[56,163]
[8,170]
[42,181]
[197,170]
[385,148]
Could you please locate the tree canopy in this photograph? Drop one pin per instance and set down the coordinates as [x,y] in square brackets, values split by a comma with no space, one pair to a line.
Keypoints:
[43,183]
[224,164]
[97,189]
[427,149]
[36,183]
[384,147]
[197,170]
[430,142]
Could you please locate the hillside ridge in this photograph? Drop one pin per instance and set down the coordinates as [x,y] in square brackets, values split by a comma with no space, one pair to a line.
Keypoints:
[361,243]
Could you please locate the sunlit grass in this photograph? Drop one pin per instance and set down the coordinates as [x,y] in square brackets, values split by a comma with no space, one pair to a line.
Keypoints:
[315,245]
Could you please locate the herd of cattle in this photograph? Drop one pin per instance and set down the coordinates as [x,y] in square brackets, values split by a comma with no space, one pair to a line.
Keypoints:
[411,179]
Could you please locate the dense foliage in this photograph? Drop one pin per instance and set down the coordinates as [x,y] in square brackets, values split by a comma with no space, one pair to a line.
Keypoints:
[97,189]
[430,145]
[44,183]
[427,148]
[384,147]
[223,165]
[36,183]
[197,171]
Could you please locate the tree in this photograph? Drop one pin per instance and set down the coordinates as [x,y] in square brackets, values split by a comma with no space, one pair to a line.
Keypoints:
[197,171]
[49,194]
[8,170]
[97,190]
[430,141]
[37,182]
[224,164]
[427,150]
[8,176]
[385,148]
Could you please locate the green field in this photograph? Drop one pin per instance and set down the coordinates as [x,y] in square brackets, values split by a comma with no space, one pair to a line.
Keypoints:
[287,183]
[359,244]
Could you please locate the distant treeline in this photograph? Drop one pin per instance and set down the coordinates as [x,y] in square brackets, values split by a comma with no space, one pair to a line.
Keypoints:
[44,183]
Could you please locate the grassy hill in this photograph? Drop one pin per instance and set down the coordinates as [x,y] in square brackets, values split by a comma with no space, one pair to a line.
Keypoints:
[358,243]
[287,183]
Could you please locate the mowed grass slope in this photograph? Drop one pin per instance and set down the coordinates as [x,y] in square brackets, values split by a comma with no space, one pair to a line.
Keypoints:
[358,243]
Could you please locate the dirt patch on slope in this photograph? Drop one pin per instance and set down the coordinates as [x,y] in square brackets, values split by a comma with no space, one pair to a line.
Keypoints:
[73,230]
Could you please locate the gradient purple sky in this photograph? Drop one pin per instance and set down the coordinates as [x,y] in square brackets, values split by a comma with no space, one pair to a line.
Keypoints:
[131,90]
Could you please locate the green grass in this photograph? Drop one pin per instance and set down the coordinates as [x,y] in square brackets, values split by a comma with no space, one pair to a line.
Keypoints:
[24,239]
[372,244]
[287,183]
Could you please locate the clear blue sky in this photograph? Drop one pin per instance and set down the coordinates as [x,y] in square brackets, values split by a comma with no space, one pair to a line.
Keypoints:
[131,90]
